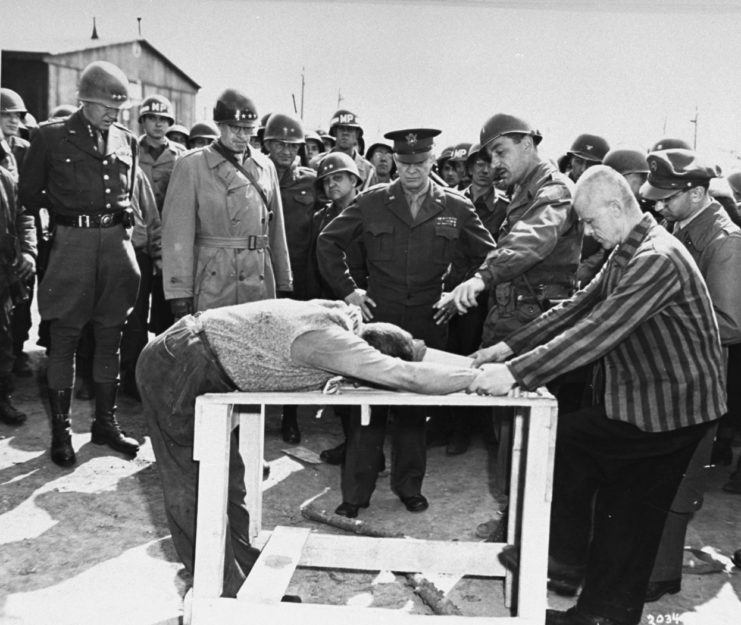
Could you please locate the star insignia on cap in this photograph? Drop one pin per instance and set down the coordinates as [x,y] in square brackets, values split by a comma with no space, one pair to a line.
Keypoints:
[411,138]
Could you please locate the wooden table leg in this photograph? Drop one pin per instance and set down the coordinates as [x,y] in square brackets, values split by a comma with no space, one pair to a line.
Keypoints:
[540,438]
[213,427]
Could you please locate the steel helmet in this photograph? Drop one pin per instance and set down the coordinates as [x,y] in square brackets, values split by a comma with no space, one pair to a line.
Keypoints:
[503,124]
[625,161]
[734,179]
[157,105]
[670,143]
[11,102]
[233,106]
[344,117]
[104,83]
[203,130]
[475,152]
[336,162]
[376,145]
[283,127]
[62,110]
[311,135]
[176,129]
[460,152]
[590,148]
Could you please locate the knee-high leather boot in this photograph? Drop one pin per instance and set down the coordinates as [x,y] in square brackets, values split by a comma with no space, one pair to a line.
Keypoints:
[62,452]
[105,429]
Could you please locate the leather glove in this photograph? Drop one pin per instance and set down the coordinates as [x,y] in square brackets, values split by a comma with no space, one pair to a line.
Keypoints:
[181,306]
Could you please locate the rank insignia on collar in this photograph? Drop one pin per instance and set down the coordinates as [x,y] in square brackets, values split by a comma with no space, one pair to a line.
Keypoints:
[411,138]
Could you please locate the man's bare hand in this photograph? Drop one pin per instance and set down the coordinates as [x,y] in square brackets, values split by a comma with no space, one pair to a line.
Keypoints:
[445,309]
[463,296]
[496,353]
[26,268]
[359,298]
[493,380]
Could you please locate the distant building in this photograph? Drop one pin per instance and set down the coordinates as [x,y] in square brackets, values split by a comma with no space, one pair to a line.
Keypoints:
[46,74]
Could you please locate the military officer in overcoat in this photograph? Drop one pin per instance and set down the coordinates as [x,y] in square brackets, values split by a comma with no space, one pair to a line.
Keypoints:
[223,235]
[82,170]
[411,229]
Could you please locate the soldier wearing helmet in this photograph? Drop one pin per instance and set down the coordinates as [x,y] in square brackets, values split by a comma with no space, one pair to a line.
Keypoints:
[13,149]
[178,133]
[338,180]
[223,233]
[412,230]
[586,151]
[348,134]
[447,170]
[539,242]
[12,146]
[313,146]
[82,169]
[283,137]
[202,134]
[157,156]
[380,155]
[458,158]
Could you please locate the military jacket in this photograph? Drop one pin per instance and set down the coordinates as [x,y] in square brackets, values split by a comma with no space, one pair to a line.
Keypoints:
[221,244]
[714,241]
[407,259]
[354,257]
[299,198]
[64,162]
[159,170]
[490,207]
[17,232]
[540,239]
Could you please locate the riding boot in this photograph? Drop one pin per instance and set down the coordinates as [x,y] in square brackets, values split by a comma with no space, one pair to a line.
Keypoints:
[289,425]
[8,412]
[105,429]
[62,452]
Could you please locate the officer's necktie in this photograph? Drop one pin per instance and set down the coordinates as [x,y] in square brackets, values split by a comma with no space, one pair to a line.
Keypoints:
[101,141]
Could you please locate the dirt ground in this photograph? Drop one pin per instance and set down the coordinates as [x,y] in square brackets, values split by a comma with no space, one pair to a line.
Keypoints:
[90,544]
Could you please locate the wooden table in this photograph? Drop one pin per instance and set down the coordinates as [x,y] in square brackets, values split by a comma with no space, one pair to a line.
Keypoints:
[285,548]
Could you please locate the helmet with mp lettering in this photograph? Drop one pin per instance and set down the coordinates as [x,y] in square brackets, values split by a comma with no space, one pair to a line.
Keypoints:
[104,83]
[343,117]
[157,105]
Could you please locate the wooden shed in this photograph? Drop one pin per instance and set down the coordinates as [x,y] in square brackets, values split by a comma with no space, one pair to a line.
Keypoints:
[47,75]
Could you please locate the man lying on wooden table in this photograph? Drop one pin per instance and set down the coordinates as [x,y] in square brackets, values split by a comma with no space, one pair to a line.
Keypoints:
[270,345]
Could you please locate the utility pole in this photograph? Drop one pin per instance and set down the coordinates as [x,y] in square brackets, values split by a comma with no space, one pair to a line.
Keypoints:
[694,121]
[303,87]
[339,98]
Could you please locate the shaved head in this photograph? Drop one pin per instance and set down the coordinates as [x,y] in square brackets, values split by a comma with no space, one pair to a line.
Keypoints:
[606,205]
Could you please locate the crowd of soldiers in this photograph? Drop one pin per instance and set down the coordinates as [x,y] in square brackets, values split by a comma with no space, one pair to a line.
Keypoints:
[128,235]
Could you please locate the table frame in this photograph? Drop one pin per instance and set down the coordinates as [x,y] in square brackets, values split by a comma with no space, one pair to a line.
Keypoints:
[216,416]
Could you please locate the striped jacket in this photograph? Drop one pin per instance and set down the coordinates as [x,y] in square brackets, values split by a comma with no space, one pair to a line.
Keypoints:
[648,316]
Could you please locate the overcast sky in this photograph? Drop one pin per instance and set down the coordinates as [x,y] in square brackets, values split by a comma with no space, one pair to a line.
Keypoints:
[631,71]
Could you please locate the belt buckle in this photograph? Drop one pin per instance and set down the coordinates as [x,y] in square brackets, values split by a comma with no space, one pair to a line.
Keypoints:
[106,220]
[83,221]
[252,242]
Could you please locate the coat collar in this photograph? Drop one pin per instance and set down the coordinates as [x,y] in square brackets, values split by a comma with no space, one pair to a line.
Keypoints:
[78,134]
[699,232]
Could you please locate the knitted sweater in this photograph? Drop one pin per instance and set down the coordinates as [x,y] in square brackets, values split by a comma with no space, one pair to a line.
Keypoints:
[253,341]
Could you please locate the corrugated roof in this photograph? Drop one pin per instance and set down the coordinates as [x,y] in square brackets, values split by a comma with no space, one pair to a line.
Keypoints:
[55,46]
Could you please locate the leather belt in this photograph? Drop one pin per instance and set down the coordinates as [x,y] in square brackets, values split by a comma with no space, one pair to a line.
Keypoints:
[106,220]
[252,242]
